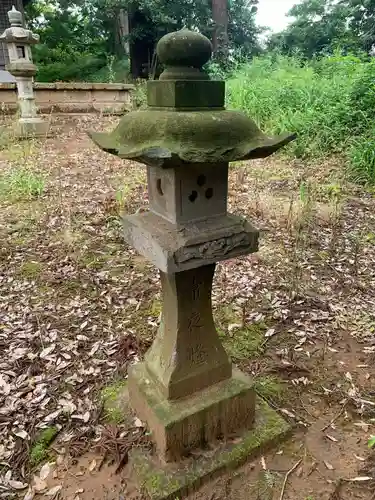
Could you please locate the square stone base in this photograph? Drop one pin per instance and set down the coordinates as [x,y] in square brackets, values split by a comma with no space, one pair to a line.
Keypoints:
[185,424]
[32,127]
[175,480]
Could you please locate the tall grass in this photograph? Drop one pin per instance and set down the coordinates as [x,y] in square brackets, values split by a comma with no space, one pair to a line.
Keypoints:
[330,103]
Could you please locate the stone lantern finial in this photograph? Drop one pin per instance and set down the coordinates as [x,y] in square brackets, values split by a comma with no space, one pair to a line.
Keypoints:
[15,18]
[183,54]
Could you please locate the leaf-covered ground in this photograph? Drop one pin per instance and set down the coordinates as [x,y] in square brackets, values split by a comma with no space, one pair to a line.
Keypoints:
[77,305]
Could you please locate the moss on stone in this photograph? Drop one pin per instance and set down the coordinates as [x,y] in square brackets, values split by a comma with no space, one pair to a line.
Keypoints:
[156,137]
[111,399]
[167,482]
[169,413]
[156,308]
[40,448]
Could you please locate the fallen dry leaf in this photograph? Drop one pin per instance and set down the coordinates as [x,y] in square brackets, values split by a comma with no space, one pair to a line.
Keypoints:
[17,485]
[39,484]
[328,465]
[361,479]
[331,438]
[46,470]
[30,494]
[92,465]
[53,491]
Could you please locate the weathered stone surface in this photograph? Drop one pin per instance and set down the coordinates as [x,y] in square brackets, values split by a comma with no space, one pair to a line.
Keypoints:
[31,127]
[160,481]
[173,131]
[187,355]
[179,426]
[169,138]
[71,98]
[186,95]
[186,390]
[183,54]
[189,194]
[19,41]
[175,249]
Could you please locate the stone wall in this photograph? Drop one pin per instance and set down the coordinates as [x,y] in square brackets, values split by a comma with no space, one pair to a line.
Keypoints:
[71,97]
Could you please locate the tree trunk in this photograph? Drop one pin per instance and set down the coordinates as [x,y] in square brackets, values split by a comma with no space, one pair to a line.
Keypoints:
[123,30]
[220,37]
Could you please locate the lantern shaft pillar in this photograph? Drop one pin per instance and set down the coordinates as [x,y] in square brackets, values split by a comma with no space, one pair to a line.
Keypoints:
[187,355]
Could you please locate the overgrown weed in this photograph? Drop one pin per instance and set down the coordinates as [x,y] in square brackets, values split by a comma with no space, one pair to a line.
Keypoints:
[21,183]
[329,103]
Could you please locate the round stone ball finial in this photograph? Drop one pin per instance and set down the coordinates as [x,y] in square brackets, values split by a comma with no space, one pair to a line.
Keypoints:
[183,54]
[15,17]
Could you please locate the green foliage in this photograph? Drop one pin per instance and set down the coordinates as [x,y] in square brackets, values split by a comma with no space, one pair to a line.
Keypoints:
[244,343]
[21,183]
[72,45]
[320,26]
[362,160]
[83,40]
[329,102]
[371,442]
[39,449]
[139,95]
[270,388]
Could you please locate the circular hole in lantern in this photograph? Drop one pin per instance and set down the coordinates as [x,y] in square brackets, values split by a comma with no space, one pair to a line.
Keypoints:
[201,181]
[159,188]
[209,193]
[193,196]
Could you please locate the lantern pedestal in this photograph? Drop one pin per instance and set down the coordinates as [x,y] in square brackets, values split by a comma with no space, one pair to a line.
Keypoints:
[185,389]
[31,127]
[179,426]
[168,481]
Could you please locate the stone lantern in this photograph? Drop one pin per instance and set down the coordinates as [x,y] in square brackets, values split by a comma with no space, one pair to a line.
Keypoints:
[186,390]
[19,41]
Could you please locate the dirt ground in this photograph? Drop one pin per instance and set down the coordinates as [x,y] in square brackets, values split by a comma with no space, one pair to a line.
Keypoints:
[77,306]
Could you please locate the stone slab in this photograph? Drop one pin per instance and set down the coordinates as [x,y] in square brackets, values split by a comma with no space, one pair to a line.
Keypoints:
[181,425]
[160,481]
[172,248]
[181,94]
[32,127]
[71,98]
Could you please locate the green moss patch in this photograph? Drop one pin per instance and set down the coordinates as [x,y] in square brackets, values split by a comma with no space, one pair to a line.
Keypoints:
[31,269]
[245,342]
[171,481]
[39,451]
[112,404]
[270,388]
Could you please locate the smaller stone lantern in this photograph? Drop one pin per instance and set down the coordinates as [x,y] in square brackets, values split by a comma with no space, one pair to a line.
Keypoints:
[19,41]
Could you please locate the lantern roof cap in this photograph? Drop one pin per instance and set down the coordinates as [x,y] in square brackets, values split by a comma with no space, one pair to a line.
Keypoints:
[169,138]
[15,17]
[186,121]
[17,33]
